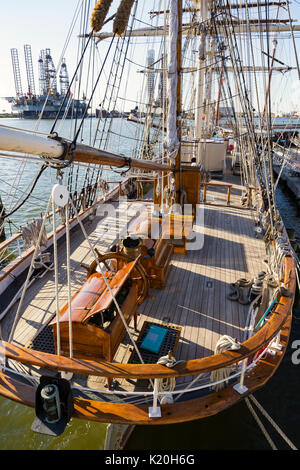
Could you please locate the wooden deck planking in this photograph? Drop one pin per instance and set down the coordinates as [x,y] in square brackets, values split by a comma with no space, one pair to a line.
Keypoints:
[196,305]
[39,305]
[204,313]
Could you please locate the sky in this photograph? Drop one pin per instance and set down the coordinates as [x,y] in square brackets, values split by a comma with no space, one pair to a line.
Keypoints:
[42,25]
[45,25]
[38,23]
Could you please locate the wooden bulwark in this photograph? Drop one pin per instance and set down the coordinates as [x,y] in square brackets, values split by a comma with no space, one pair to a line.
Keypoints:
[229,229]
[143,371]
[172,413]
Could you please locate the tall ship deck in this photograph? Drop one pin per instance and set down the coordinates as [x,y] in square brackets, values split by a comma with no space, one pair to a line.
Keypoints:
[157,284]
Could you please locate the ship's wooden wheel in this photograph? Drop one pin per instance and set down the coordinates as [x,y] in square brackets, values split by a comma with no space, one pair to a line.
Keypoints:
[113,262]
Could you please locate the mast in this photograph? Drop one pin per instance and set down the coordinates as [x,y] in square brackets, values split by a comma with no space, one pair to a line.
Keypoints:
[201,73]
[172,143]
[269,83]
[216,120]
[179,110]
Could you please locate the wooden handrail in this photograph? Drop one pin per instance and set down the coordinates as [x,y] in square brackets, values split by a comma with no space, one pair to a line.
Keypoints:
[138,186]
[126,413]
[16,262]
[9,241]
[143,371]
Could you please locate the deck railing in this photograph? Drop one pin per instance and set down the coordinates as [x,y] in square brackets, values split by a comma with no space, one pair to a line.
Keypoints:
[146,395]
[207,184]
[14,246]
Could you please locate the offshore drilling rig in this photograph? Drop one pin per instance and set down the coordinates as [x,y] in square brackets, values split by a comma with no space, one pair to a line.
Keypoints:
[48,102]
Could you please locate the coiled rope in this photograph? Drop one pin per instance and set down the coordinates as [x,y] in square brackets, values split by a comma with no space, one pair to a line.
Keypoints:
[225,343]
[167,384]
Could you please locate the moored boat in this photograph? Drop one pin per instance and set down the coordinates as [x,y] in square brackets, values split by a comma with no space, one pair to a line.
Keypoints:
[168,297]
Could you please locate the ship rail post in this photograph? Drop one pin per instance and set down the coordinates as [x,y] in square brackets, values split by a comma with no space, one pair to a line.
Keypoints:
[155,410]
[240,387]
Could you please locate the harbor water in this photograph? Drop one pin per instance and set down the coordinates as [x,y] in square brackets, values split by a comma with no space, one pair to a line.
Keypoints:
[233,429]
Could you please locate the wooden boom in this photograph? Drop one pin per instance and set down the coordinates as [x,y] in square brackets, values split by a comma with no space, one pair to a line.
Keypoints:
[86,154]
[14,140]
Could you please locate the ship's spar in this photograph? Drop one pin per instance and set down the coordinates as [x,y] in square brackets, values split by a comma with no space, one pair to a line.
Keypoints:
[49,148]
[54,147]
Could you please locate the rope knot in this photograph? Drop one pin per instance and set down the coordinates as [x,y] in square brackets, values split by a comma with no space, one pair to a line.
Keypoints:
[168,360]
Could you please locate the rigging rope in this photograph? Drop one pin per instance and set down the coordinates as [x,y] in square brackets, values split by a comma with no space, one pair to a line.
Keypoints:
[55,255]
[224,343]
[71,83]
[271,421]
[107,284]
[93,91]
[260,424]
[43,168]
[31,267]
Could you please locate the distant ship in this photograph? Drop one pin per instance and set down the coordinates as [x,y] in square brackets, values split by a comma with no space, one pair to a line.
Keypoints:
[50,102]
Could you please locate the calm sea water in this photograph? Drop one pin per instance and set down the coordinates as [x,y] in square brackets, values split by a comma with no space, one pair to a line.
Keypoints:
[233,429]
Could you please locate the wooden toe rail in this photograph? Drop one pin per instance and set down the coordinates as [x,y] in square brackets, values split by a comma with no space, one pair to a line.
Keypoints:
[123,413]
[143,371]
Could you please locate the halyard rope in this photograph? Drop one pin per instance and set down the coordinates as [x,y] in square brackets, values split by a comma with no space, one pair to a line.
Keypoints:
[56,277]
[69,279]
